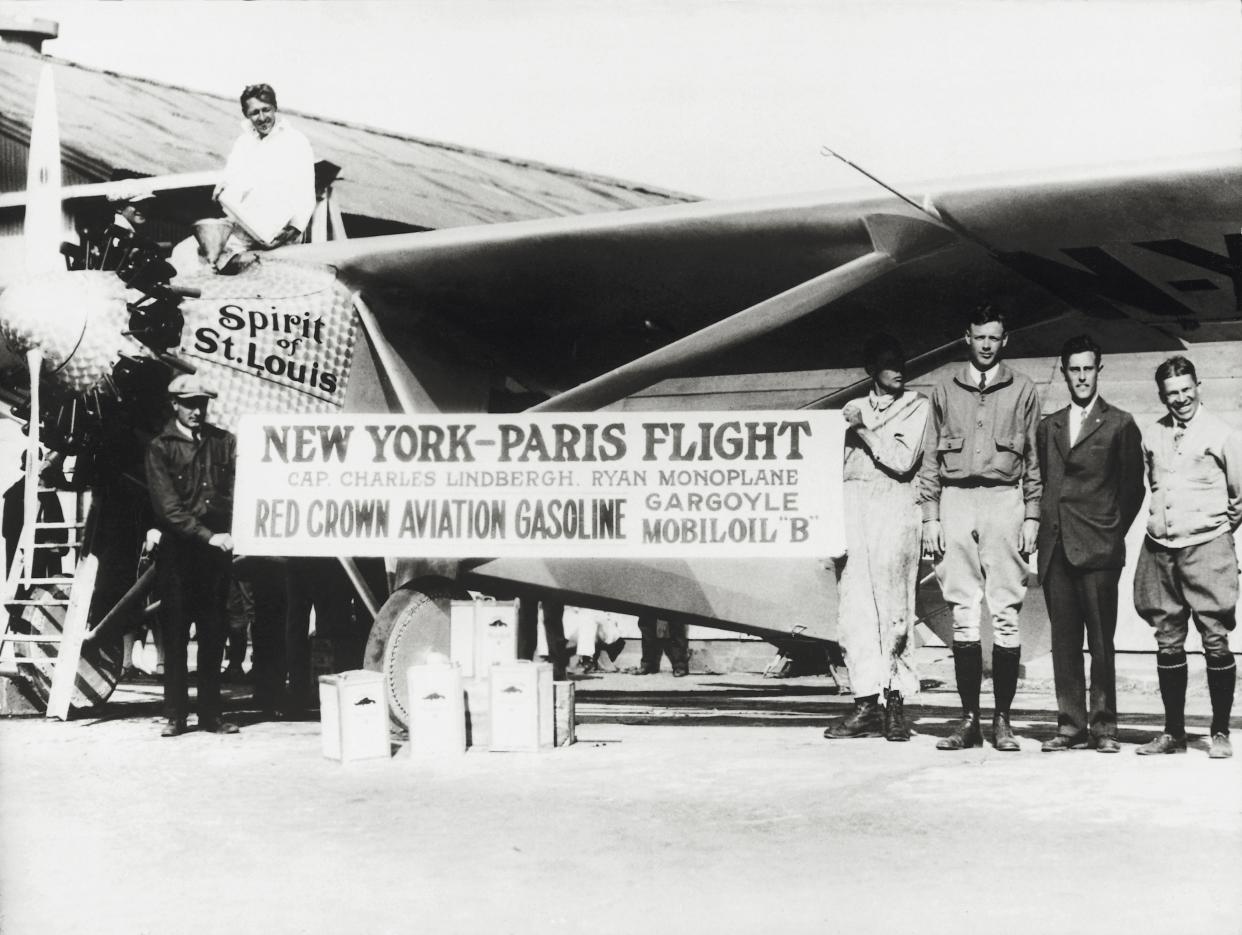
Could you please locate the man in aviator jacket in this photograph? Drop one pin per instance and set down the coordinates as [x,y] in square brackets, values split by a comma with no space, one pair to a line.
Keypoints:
[979,488]
[190,467]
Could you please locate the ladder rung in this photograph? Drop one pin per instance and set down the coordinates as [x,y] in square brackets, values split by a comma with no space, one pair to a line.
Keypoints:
[63,580]
[24,638]
[72,543]
[31,661]
[37,603]
[39,525]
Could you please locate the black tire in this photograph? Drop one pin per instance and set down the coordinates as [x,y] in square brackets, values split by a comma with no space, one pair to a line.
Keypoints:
[411,628]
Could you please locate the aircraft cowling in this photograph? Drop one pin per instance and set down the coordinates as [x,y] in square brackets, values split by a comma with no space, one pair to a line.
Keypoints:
[76,319]
[109,350]
[277,338]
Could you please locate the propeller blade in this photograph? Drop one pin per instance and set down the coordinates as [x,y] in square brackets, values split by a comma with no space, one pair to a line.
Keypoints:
[44,225]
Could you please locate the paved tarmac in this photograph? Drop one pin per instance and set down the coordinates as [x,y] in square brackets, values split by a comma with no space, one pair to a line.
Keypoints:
[705,804]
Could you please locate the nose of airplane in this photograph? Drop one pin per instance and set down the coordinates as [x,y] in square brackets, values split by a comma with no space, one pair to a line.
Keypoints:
[76,320]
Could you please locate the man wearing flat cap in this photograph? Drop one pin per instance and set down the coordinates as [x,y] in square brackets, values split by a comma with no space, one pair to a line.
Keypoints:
[127,232]
[190,468]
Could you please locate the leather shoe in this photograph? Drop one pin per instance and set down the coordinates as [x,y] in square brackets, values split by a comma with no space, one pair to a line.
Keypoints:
[895,727]
[864,721]
[173,727]
[1221,748]
[1065,742]
[966,734]
[1107,745]
[587,665]
[646,669]
[1165,743]
[217,726]
[1002,734]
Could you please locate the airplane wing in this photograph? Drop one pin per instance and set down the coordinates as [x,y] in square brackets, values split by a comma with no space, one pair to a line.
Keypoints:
[563,301]
[1145,254]
[153,183]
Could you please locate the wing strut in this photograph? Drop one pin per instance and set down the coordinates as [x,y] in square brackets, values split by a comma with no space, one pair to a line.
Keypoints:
[389,370]
[895,239]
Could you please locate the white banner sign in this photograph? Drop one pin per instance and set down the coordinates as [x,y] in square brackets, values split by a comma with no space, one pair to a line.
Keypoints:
[556,485]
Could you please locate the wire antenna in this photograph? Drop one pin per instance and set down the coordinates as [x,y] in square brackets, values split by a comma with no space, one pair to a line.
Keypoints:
[931,211]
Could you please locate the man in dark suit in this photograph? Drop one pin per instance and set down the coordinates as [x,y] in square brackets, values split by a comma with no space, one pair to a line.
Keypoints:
[1091,458]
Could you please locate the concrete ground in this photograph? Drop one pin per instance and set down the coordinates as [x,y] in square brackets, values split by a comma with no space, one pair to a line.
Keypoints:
[704,804]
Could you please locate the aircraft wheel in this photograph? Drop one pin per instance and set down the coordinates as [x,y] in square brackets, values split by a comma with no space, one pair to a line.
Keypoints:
[411,628]
[99,669]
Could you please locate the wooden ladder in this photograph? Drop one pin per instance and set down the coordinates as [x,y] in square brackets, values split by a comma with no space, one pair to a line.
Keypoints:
[20,649]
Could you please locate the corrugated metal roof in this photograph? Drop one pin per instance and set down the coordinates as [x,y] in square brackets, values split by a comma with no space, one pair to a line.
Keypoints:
[118,122]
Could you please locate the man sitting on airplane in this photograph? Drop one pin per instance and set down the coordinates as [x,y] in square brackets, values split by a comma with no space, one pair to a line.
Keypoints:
[269,182]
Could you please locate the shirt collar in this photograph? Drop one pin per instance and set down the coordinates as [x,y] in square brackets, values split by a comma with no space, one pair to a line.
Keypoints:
[975,373]
[880,401]
[121,221]
[1085,410]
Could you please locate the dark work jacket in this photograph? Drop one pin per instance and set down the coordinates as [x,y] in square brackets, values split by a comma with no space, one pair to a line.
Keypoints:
[191,483]
[46,562]
[118,243]
[1093,491]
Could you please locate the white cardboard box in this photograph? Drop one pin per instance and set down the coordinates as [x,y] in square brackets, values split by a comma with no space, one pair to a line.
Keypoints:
[353,716]
[521,711]
[437,710]
[482,632]
[563,702]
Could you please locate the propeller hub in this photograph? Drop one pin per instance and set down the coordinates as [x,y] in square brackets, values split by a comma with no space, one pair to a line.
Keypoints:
[75,319]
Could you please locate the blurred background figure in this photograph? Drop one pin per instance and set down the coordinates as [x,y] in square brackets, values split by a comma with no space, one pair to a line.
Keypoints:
[664,638]
[241,619]
[320,585]
[47,562]
[133,641]
[596,633]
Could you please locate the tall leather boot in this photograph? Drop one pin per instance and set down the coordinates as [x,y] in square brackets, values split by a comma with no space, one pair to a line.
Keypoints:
[1221,675]
[968,666]
[1171,669]
[863,721]
[895,727]
[1005,664]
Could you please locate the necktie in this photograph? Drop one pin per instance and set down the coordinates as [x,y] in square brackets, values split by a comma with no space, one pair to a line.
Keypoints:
[1076,424]
[983,382]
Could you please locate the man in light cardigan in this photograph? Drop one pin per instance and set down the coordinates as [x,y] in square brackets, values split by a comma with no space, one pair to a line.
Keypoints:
[1188,566]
